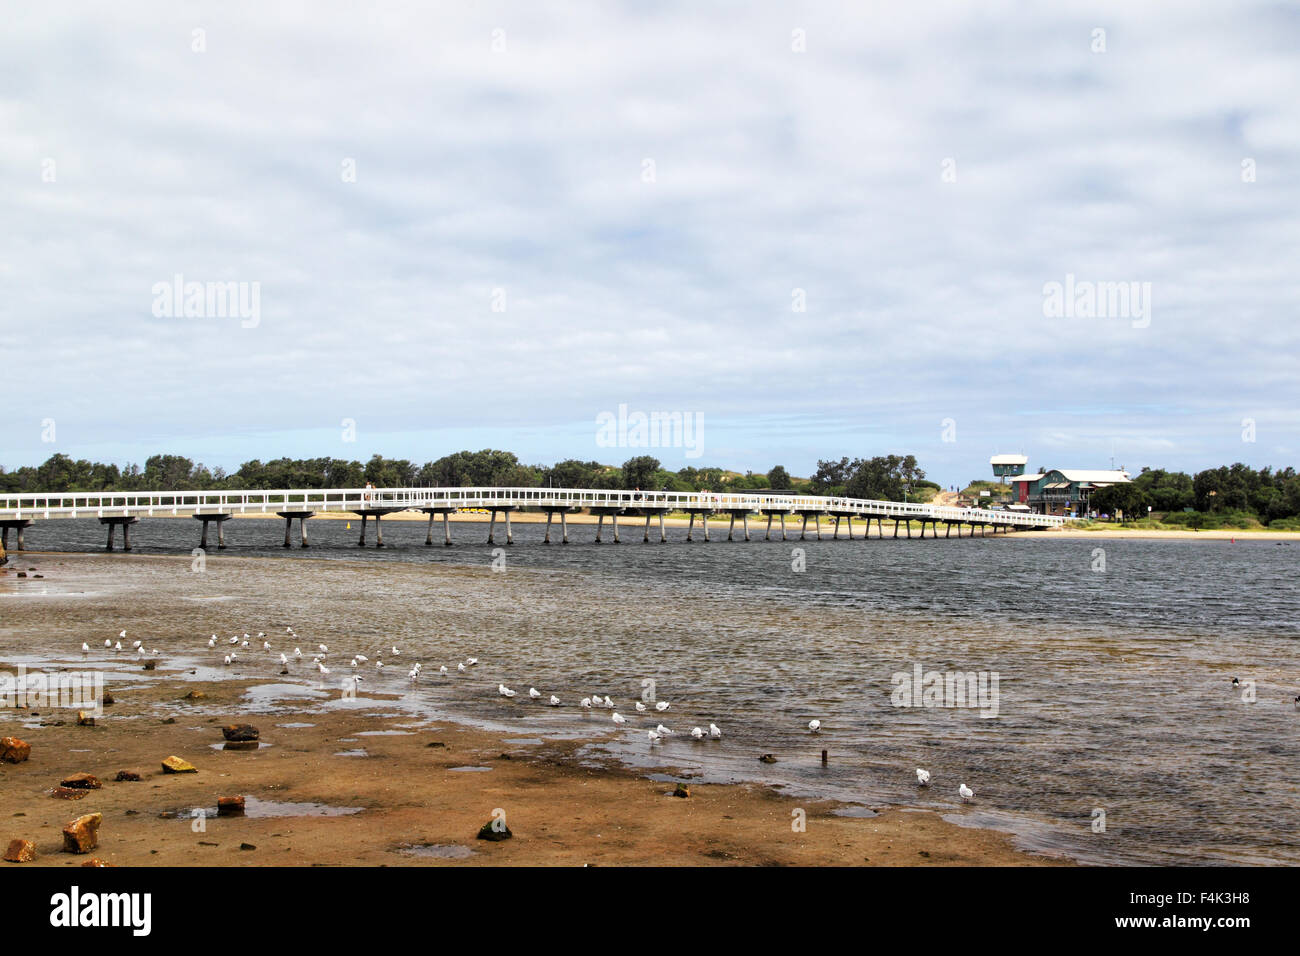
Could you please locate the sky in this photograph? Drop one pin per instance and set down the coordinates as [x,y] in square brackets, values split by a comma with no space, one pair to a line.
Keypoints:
[818,229]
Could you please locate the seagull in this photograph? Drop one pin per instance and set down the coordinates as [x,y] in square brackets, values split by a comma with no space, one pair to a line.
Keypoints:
[965,792]
[1235,682]
[139,652]
[715,731]
[505,691]
[353,663]
[109,642]
[323,669]
[323,648]
[261,633]
[442,669]
[697,733]
[664,731]
[284,659]
[471,661]
[555,701]
[362,658]
[922,777]
[212,641]
[85,648]
[640,707]
[228,660]
[379,665]
[266,645]
[117,646]
[460,668]
[585,703]
[654,737]
[233,657]
[245,642]
[619,718]
[609,704]
[137,643]
[396,652]
[661,706]
[297,652]
[414,675]
[534,693]
[814,725]
[233,640]
[122,634]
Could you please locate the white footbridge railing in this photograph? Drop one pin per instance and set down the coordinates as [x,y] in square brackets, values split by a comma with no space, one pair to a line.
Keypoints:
[159,504]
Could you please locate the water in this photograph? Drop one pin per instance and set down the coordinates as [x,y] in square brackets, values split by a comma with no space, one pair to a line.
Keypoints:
[1114,686]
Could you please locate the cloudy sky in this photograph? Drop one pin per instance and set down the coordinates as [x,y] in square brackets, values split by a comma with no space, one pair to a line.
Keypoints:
[825,228]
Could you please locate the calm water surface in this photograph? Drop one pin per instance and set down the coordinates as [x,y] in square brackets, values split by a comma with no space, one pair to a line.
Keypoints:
[1114,685]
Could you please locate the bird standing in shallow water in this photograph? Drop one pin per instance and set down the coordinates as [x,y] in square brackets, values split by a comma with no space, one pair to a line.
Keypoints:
[697,733]
[534,693]
[965,793]
[662,706]
[922,777]
[619,718]
[640,707]
[715,732]
[555,701]
[585,703]
[814,725]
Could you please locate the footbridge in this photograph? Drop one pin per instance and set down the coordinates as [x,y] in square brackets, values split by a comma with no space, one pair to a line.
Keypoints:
[123,509]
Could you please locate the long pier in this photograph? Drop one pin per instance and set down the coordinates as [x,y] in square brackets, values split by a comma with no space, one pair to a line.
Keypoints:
[122,510]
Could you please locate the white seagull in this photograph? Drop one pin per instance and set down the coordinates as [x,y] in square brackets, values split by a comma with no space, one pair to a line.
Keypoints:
[505,691]
[663,731]
[109,642]
[284,659]
[555,701]
[85,648]
[697,733]
[460,668]
[922,777]
[619,718]
[534,693]
[585,704]
[212,641]
[715,731]
[297,652]
[661,706]
[640,707]
[654,737]
[228,660]
[442,669]
[609,704]
[814,725]
[965,793]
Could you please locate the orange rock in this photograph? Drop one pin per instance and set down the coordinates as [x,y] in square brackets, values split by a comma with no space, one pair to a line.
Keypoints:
[177,765]
[68,793]
[96,861]
[21,851]
[84,719]
[13,750]
[82,834]
[230,806]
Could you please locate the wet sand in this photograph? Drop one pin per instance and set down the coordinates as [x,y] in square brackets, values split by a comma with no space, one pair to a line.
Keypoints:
[404,802]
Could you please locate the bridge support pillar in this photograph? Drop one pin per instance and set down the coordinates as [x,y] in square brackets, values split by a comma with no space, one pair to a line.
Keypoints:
[836,534]
[613,520]
[646,538]
[704,519]
[379,532]
[113,524]
[446,529]
[895,527]
[782,525]
[428,538]
[850,523]
[818,519]
[549,515]
[600,524]
[510,536]
[745,521]
[492,526]
[767,536]
[564,527]
[18,524]
[731,527]
[663,535]
[690,529]
[288,526]
[803,530]
[302,531]
[360,544]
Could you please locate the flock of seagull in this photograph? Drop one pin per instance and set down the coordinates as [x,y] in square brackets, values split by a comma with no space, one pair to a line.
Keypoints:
[603,701]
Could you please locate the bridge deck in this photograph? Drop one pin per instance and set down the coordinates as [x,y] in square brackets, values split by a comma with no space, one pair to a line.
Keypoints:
[147,504]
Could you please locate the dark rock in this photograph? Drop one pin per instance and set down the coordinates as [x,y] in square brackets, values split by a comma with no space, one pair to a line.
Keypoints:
[127,776]
[495,831]
[239,732]
[230,806]
[241,745]
[96,861]
[682,791]
[767,758]
[247,846]
[85,719]
[81,781]
[68,793]
[168,720]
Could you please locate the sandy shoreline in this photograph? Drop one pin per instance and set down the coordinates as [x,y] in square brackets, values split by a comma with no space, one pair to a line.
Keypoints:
[406,793]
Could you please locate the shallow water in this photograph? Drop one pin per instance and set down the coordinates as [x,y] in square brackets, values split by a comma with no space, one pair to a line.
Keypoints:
[1114,688]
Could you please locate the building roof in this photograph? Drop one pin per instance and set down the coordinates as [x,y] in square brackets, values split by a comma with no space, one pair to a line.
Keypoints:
[1009,460]
[1093,477]
[1025,478]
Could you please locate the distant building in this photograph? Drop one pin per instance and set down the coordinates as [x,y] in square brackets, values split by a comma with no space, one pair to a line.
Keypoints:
[1007,465]
[1060,491]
